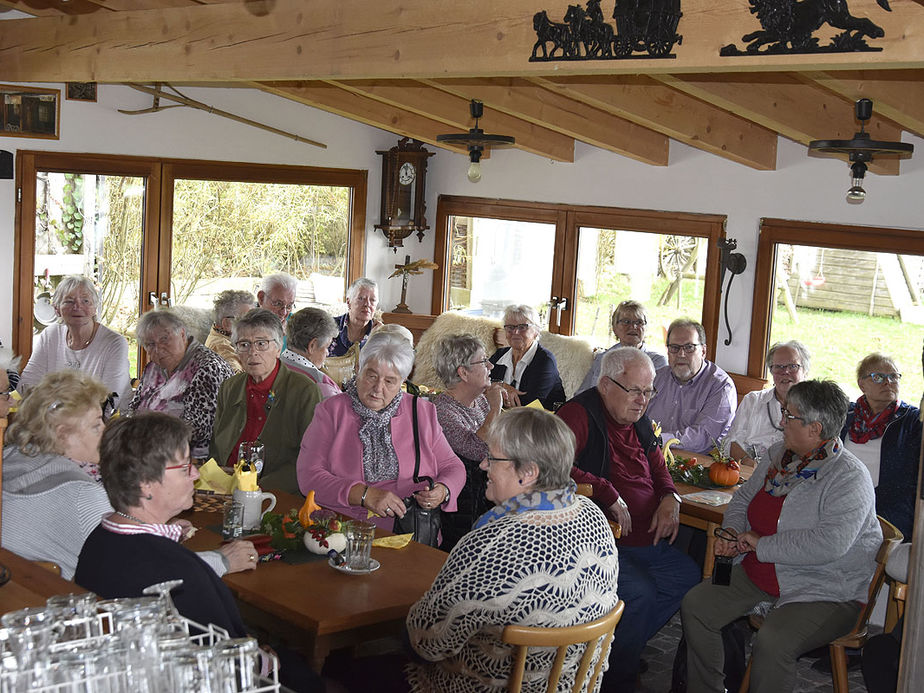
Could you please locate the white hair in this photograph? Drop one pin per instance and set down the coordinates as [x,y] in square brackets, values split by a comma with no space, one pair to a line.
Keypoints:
[361,283]
[388,349]
[617,361]
[279,279]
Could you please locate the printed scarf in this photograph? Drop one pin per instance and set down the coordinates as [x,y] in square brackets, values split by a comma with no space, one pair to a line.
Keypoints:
[380,461]
[866,425]
[531,500]
[792,470]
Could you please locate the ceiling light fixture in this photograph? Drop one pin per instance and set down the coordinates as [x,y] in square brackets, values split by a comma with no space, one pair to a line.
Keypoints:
[477,140]
[860,150]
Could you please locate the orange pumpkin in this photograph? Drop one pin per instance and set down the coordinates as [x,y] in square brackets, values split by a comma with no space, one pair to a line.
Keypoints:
[308,507]
[724,473]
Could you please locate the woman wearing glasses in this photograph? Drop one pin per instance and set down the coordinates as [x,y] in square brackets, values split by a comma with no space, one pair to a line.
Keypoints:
[466,410]
[527,370]
[267,402]
[885,433]
[803,534]
[181,378]
[757,420]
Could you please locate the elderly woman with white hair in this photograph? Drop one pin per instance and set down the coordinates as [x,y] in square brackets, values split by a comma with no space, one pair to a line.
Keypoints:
[79,341]
[268,403]
[466,410]
[358,454]
[357,323]
[528,370]
[229,306]
[756,425]
[310,332]
[181,378]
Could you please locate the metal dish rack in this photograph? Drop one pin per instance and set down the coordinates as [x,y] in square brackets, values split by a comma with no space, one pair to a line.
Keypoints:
[111,682]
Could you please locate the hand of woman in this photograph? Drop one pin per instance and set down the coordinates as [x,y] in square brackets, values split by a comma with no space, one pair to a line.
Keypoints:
[384,503]
[186,526]
[241,556]
[748,541]
[495,396]
[620,511]
[511,395]
[726,547]
[432,498]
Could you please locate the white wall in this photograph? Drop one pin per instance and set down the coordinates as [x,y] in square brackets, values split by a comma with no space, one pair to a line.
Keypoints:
[801,187]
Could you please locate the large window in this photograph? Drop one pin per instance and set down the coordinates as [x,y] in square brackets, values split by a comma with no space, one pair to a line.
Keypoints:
[176,231]
[844,292]
[575,264]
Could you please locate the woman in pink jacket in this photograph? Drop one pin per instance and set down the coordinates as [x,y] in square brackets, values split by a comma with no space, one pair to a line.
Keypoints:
[358,453]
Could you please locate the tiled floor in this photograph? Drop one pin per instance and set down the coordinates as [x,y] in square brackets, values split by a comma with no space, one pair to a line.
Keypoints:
[660,657]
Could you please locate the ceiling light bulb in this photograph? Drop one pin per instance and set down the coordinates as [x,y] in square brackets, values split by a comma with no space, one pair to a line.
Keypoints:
[856,194]
[474,171]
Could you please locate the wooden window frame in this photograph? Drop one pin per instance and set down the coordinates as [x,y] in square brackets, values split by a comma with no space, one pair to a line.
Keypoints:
[158,213]
[568,219]
[875,239]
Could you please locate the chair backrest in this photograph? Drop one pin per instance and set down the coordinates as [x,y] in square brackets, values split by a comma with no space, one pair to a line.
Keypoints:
[590,634]
[891,537]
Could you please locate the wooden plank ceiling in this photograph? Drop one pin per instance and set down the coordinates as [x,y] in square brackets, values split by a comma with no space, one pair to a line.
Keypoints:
[410,68]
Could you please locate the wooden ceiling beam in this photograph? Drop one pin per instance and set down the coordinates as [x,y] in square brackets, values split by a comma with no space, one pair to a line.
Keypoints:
[368,39]
[897,94]
[656,106]
[523,99]
[435,104]
[786,105]
[332,99]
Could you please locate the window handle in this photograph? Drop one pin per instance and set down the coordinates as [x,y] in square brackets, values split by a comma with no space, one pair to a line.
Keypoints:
[166,299]
[558,305]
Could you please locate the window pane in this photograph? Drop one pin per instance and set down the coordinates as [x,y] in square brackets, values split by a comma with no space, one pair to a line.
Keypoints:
[666,273]
[496,262]
[91,225]
[227,235]
[845,304]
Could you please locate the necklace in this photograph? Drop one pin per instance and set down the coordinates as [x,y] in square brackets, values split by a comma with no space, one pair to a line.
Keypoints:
[220,331]
[70,339]
[131,517]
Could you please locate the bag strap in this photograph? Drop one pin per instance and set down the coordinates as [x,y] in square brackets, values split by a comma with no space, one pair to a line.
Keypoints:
[417,477]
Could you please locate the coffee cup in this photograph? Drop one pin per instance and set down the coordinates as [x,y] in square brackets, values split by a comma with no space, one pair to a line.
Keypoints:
[253,506]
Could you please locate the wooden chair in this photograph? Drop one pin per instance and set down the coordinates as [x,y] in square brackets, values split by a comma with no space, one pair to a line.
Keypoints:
[591,634]
[856,638]
[49,565]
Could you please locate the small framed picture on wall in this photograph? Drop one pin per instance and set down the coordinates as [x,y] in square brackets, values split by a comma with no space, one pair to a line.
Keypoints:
[29,112]
[81,91]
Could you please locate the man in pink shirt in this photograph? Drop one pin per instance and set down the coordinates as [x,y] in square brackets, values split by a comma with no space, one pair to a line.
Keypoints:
[617,452]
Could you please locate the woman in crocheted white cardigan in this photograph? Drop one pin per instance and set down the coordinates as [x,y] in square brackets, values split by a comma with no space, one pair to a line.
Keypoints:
[543,556]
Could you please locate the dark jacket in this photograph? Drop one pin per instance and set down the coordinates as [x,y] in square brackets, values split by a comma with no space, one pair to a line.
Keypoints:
[540,379]
[898,466]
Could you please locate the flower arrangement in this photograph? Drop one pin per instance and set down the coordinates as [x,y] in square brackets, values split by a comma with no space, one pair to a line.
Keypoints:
[312,526]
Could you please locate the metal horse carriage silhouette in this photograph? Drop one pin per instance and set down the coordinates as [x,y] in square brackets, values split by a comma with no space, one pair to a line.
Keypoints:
[641,26]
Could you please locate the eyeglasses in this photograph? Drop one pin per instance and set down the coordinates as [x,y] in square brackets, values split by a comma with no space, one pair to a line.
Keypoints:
[789,417]
[491,460]
[483,362]
[634,391]
[282,305]
[158,344]
[188,466]
[244,346]
[685,348]
[785,367]
[632,323]
[880,378]
[522,327]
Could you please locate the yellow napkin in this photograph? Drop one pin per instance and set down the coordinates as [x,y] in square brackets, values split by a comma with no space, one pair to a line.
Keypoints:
[245,481]
[212,478]
[536,404]
[396,541]
[16,397]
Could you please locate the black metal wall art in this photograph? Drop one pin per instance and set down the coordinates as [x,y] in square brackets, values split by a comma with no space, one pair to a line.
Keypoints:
[788,26]
[642,26]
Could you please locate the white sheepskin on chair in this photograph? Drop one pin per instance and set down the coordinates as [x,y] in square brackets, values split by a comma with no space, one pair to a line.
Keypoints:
[574,357]
[445,325]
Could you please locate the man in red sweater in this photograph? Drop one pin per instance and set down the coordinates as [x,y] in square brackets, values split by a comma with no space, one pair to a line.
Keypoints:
[618,453]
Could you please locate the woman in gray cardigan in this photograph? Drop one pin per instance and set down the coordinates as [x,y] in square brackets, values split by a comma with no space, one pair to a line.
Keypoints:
[805,538]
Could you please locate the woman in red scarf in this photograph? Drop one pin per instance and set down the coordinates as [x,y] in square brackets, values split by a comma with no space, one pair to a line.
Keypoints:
[885,433]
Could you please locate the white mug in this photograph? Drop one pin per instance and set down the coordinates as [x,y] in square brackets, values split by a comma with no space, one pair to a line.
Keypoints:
[253,506]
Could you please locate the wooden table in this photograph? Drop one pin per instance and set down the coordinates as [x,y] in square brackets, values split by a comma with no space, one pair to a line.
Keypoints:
[700,515]
[30,584]
[316,608]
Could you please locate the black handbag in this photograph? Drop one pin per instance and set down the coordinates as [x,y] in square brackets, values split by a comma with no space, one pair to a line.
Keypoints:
[425,523]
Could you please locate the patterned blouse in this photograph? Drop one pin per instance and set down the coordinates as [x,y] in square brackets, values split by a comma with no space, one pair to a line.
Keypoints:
[189,392]
[460,424]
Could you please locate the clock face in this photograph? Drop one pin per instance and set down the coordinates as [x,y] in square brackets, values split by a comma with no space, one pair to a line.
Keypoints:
[407,173]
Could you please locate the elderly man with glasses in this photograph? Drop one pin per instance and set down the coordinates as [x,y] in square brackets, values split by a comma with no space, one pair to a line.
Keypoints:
[696,399]
[617,453]
[629,324]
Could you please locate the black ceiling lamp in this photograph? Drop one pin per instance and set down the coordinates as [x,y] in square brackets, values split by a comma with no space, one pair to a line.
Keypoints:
[860,151]
[477,140]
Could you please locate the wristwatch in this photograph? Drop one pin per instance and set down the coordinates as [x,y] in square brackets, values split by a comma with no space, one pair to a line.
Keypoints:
[676,497]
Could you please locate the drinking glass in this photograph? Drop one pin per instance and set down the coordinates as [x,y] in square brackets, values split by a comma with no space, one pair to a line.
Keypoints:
[252,452]
[232,520]
[359,534]
[75,615]
[234,665]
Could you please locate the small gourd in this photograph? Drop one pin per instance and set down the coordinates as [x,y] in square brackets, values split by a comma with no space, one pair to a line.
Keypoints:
[724,473]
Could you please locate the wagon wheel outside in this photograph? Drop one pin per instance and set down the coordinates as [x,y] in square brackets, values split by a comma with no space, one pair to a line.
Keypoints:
[675,253]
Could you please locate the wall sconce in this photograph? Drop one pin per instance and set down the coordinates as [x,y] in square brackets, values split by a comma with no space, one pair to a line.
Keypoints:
[732,262]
